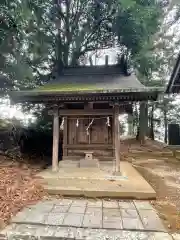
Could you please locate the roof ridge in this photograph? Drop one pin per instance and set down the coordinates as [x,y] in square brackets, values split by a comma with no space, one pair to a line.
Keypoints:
[93,73]
[92,66]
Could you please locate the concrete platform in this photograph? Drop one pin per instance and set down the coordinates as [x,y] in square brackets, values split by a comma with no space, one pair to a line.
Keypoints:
[98,182]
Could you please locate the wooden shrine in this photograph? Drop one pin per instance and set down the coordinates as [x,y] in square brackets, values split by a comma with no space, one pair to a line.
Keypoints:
[85,101]
[89,127]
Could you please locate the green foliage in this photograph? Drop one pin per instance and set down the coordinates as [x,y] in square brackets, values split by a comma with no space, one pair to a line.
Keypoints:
[136,23]
[37,37]
[12,64]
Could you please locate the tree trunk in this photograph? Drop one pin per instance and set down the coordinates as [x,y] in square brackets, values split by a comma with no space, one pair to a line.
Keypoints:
[143,122]
[136,120]
[130,125]
[151,123]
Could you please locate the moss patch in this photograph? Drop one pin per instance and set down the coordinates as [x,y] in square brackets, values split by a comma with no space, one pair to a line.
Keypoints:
[68,87]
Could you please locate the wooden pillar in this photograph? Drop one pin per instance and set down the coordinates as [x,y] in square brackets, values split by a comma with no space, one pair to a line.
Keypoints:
[117,137]
[65,137]
[55,157]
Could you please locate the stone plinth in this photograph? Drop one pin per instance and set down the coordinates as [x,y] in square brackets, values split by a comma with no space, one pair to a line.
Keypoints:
[97,182]
[89,161]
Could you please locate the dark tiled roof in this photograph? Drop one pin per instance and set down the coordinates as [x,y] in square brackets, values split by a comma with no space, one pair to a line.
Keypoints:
[92,78]
[73,82]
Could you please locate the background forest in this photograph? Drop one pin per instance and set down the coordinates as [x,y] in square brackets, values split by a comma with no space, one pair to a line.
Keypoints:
[37,37]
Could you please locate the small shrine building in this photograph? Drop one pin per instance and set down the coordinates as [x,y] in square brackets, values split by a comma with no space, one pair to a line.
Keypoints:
[89,100]
[174,82]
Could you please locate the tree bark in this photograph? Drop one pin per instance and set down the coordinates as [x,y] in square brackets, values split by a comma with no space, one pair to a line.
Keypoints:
[130,125]
[151,125]
[136,120]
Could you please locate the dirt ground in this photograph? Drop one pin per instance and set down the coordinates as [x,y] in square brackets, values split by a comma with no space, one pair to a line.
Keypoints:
[162,171]
[164,176]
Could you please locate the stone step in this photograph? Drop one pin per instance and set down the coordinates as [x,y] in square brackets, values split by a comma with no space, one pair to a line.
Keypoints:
[95,193]
[98,187]
[68,163]
[154,153]
[40,232]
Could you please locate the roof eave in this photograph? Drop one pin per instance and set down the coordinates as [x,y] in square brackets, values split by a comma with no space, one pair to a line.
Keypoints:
[98,91]
[137,94]
[173,78]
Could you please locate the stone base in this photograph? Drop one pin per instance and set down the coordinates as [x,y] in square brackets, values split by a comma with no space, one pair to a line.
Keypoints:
[97,182]
[117,174]
[86,163]
[68,164]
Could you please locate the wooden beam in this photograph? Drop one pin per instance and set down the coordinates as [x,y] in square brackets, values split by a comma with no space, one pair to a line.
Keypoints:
[85,112]
[88,106]
[117,137]
[55,157]
[86,146]
[51,107]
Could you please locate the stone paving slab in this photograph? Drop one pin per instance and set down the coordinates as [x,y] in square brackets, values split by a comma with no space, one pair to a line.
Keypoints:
[77,209]
[143,205]
[113,212]
[79,202]
[151,221]
[36,218]
[176,236]
[61,202]
[110,204]
[60,208]
[129,215]
[126,204]
[92,221]
[39,232]
[112,223]
[21,216]
[94,204]
[54,219]
[73,219]
[132,224]
[93,211]
[65,233]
